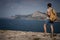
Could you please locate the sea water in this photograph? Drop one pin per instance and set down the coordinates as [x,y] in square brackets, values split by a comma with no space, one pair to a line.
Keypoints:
[27,25]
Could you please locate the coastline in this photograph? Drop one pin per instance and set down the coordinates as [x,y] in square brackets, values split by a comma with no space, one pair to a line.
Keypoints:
[23,35]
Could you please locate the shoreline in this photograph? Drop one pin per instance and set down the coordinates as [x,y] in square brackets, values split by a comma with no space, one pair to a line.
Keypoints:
[23,35]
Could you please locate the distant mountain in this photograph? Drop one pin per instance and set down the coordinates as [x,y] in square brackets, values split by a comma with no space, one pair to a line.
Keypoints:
[34,16]
[58,15]
[37,15]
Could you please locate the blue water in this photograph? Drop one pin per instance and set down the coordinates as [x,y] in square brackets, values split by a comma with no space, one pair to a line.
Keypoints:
[26,25]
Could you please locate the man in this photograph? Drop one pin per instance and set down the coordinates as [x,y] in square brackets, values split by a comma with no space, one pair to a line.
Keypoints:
[49,10]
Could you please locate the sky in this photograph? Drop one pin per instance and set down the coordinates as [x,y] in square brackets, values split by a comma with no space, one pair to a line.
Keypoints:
[25,7]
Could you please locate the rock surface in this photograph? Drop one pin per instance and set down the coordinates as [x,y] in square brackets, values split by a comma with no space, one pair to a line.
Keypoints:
[23,35]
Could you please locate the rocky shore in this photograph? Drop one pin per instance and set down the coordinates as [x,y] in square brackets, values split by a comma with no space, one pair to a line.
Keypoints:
[23,35]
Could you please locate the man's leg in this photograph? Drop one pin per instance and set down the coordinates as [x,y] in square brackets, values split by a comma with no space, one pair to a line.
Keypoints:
[52,30]
[45,29]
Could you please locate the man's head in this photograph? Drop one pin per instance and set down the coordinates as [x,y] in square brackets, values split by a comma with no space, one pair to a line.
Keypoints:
[49,4]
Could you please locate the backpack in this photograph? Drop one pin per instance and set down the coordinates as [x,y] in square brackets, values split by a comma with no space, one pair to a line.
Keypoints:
[53,16]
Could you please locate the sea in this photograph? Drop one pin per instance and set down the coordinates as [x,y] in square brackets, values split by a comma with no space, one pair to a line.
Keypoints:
[27,25]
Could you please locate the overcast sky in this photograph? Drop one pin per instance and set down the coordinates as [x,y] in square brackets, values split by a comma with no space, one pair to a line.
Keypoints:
[25,7]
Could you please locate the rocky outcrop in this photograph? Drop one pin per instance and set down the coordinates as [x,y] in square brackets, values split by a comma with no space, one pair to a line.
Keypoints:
[23,35]
[34,16]
[38,14]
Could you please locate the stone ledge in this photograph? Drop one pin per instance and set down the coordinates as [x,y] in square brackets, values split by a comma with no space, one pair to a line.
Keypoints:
[23,35]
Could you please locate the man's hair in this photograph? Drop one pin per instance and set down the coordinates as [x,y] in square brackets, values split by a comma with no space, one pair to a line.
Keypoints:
[49,4]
